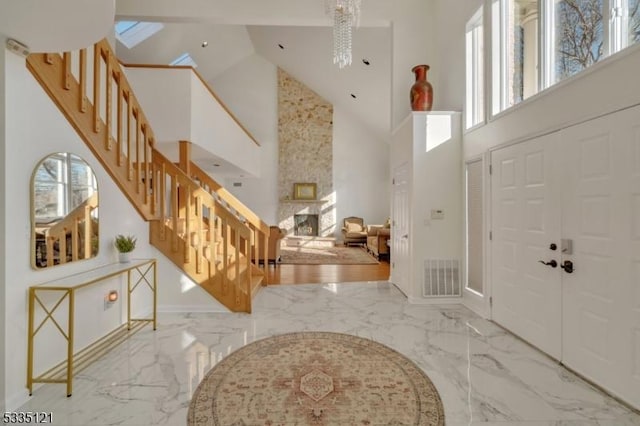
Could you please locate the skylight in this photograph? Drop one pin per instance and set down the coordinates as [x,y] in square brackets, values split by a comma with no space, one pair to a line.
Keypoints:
[184,59]
[131,33]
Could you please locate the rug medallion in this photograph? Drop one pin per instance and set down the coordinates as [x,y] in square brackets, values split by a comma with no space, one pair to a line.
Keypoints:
[315,378]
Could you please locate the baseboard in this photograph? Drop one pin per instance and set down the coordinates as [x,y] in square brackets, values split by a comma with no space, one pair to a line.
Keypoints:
[189,309]
[435,301]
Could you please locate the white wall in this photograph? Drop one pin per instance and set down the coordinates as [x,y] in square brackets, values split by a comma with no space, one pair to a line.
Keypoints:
[180,107]
[449,83]
[165,97]
[25,145]
[213,129]
[250,90]
[431,144]
[437,184]
[3,209]
[360,171]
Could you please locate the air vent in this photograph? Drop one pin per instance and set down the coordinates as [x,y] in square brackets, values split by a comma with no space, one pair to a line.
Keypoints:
[441,278]
[237,183]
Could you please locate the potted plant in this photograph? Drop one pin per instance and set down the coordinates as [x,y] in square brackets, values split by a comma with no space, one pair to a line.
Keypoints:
[125,245]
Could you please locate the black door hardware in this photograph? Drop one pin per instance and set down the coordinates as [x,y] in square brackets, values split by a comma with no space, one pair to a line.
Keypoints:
[551,263]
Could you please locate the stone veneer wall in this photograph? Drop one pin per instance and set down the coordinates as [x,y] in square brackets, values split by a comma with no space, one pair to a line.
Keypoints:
[305,153]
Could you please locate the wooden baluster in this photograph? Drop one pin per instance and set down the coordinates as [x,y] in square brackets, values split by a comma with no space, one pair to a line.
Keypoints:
[187,225]
[62,245]
[66,77]
[138,162]
[97,60]
[147,177]
[225,257]
[238,280]
[75,240]
[49,242]
[199,230]
[119,120]
[129,119]
[108,100]
[83,80]
[265,279]
[88,234]
[163,206]
[174,213]
[152,184]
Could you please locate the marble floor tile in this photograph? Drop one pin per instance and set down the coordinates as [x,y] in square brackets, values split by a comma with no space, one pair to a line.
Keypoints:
[485,376]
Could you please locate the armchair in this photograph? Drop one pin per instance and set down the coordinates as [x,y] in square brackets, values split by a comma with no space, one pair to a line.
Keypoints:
[275,235]
[377,237]
[354,231]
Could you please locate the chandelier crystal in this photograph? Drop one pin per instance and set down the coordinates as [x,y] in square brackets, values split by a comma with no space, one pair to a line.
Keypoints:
[346,15]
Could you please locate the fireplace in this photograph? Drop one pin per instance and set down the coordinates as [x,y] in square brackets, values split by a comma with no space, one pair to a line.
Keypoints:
[305,225]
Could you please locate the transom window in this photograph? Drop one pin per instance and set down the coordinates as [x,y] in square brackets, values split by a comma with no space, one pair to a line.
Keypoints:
[537,43]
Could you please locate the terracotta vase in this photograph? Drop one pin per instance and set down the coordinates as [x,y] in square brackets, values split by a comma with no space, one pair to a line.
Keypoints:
[421,91]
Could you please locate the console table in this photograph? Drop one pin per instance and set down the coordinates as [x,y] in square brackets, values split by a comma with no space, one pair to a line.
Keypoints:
[66,288]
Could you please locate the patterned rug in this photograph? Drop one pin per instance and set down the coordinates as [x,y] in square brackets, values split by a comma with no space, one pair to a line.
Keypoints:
[315,378]
[326,256]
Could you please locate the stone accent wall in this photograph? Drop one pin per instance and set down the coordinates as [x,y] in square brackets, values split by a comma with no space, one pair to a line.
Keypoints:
[305,153]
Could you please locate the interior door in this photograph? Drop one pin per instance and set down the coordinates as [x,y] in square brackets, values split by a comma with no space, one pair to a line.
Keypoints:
[601,215]
[400,256]
[526,295]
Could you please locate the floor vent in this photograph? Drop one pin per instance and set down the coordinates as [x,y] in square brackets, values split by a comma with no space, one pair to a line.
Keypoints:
[441,278]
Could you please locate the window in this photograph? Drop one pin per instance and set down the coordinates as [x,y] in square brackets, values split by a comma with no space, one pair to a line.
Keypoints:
[537,43]
[515,51]
[185,59]
[578,36]
[474,255]
[131,33]
[474,111]
[625,23]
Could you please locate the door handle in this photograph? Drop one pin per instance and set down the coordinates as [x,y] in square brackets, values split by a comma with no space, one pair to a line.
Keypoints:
[567,266]
[551,263]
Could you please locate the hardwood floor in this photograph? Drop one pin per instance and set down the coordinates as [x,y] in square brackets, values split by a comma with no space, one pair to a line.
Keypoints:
[306,274]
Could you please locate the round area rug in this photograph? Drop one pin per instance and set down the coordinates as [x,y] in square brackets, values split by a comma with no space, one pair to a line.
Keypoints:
[315,378]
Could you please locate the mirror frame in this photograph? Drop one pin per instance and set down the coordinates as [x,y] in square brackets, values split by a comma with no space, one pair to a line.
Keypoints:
[87,204]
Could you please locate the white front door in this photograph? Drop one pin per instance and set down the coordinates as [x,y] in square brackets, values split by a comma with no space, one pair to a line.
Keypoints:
[578,188]
[601,215]
[400,262]
[526,296]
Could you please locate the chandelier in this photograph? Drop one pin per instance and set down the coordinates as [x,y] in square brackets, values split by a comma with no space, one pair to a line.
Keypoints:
[346,15]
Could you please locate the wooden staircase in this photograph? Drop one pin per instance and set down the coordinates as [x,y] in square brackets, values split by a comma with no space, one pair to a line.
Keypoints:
[207,233]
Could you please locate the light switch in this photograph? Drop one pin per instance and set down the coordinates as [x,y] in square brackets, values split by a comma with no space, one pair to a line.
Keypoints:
[437,214]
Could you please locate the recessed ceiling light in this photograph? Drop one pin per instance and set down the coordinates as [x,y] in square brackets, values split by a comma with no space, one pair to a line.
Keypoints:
[366,61]
[205,44]
[353,96]
[280,46]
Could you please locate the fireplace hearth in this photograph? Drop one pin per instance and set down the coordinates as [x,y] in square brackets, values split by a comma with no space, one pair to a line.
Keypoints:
[305,225]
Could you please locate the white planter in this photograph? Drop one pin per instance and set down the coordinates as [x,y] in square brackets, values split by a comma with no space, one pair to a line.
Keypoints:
[124,257]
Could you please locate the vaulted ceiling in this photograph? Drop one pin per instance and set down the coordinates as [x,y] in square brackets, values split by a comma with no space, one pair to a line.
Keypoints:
[304,52]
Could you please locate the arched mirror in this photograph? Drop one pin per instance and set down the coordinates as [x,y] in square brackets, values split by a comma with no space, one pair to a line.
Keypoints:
[64,211]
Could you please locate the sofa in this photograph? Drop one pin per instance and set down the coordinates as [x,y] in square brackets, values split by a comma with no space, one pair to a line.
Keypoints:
[275,236]
[354,231]
[377,237]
